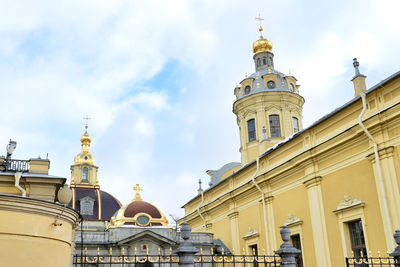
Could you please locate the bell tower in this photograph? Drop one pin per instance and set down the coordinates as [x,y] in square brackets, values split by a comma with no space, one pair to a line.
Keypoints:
[268,105]
[84,170]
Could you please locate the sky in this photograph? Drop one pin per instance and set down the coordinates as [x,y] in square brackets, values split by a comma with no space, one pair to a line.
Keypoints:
[157,79]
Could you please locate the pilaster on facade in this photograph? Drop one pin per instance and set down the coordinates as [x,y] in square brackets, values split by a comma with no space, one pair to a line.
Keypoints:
[271,234]
[316,208]
[389,193]
[234,220]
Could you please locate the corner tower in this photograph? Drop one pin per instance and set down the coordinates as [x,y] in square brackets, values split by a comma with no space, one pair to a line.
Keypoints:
[268,106]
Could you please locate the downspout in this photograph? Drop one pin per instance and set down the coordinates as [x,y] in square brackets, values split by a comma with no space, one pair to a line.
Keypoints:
[198,209]
[17,176]
[263,203]
[378,165]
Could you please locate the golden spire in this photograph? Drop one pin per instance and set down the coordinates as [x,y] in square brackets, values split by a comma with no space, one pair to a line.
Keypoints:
[138,197]
[260,19]
[262,44]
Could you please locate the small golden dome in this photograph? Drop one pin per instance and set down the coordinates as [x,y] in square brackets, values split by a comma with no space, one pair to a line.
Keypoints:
[262,44]
[85,156]
[138,213]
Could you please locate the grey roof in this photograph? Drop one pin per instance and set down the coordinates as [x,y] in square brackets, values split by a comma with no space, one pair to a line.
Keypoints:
[335,111]
[282,84]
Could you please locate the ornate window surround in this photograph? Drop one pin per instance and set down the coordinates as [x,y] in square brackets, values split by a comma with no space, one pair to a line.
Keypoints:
[350,209]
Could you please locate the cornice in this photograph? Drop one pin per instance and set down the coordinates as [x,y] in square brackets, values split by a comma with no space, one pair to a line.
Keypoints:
[315,181]
[38,207]
[383,153]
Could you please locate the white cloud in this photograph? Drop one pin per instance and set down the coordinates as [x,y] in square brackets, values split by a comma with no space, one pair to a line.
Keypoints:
[62,60]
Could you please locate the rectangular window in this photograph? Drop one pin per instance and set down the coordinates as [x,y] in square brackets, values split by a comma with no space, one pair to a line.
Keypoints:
[295,124]
[297,244]
[357,239]
[251,128]
[275,125]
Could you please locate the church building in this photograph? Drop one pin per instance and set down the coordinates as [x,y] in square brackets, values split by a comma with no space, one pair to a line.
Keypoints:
[136,228]
[335,184]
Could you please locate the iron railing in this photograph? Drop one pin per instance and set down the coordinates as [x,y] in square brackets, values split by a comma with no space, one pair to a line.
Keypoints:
[173,260]
[17,165]
[372,261]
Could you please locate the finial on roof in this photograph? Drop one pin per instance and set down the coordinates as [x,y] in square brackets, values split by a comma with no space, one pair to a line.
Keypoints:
[86,124]
[260,19]
[200,190]
[138,197]
[356,64]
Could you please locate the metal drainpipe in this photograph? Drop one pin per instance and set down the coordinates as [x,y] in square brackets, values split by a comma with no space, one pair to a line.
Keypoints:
[17,176]
[198,209]
[263,203]
[378,164]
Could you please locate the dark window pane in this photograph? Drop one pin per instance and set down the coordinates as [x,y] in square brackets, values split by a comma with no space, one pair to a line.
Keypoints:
[357,239]
[251,128]
[247,90]
[275,126]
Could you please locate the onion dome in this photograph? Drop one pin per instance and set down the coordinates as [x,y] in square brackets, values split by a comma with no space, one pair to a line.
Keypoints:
[138,213]
[85,156]
[262,44]
[94,204]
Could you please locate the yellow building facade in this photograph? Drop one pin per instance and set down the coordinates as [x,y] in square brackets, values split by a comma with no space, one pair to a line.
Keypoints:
[36,228]
[333,183]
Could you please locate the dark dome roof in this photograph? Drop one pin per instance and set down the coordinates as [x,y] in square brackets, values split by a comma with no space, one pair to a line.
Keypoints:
[102,211]
[136,207]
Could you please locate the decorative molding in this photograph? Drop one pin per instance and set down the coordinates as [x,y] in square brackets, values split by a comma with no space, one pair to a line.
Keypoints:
[348,202]
[312,182]
[383,153]
[251,233]
[269,199]
[233,215]
[209,226]
[292,220]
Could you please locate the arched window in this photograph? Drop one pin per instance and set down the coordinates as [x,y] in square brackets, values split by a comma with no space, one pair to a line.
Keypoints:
[275,125]
[264,61]
[251,129]
[295,124]
[85,175]
[291,87]
[247,90]
[258,62]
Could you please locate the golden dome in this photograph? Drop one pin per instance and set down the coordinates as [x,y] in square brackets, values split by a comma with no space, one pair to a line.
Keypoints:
[139,213]
[85,156]
[262,44]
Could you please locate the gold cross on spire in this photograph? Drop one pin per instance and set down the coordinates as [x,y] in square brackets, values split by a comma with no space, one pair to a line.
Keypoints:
[87,119]
[260,19]
[137,188]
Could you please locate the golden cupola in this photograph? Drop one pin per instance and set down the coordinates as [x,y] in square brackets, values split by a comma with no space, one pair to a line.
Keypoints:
[84,170]
[85,156]
[262,44]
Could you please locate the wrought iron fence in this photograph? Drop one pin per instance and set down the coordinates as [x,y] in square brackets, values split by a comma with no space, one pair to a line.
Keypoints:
[17,165]
[173,260]
[372,261]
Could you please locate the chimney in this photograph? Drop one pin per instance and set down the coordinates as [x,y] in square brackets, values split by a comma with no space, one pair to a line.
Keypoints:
[358,79]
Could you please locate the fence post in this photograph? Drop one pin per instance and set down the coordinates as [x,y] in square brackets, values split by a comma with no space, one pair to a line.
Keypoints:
[396,252]
[286,251]
[186,250]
